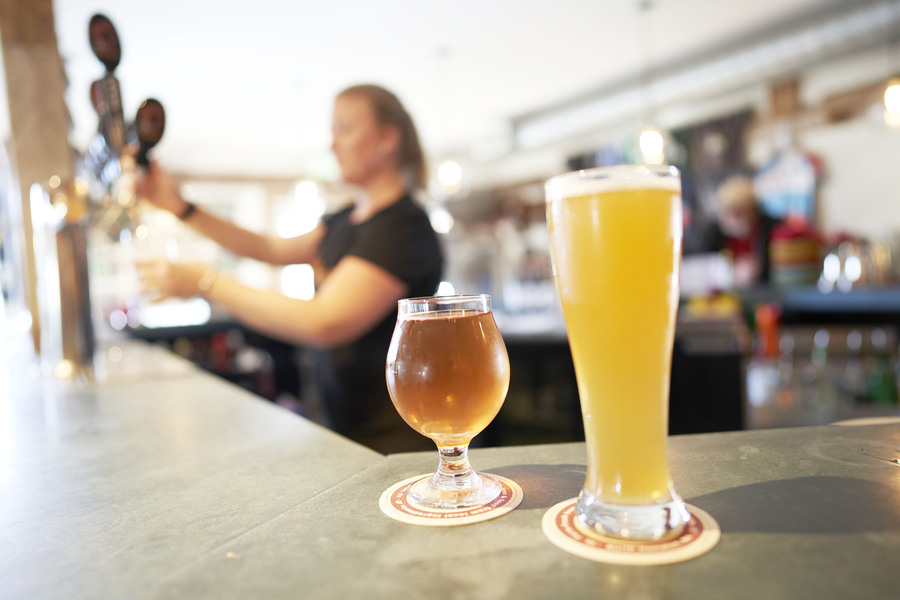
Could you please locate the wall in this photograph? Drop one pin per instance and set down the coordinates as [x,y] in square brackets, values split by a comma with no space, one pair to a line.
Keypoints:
[860,191]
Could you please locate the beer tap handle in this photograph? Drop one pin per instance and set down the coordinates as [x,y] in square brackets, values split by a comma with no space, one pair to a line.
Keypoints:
[105,94]
[149,125]
[104,42]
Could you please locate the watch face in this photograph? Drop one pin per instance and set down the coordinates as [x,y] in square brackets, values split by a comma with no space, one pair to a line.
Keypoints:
[104,41]
[150,121]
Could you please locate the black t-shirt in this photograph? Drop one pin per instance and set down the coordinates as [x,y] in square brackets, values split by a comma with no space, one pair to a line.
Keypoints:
[400,240]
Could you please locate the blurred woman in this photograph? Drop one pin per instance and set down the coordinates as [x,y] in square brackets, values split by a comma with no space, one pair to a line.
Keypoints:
[742,231]
[374,252]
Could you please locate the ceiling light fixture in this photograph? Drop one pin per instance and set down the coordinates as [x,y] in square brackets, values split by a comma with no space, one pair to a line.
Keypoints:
[652,145]
[892,103]
[450,176]
[892,95]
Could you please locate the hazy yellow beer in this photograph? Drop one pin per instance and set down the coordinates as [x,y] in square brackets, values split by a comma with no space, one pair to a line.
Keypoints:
[616,240]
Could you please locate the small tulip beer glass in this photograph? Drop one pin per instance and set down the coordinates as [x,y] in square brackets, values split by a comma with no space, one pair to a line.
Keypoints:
[448,373]
[616,243]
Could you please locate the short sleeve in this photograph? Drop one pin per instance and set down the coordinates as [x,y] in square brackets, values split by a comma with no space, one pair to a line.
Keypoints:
[401,241]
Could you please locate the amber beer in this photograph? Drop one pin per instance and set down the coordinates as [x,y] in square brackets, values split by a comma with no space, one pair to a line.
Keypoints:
[466,379]
[448,372]
[616,243]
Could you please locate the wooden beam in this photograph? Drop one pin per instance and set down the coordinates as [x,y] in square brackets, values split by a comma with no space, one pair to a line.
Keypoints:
[39,119]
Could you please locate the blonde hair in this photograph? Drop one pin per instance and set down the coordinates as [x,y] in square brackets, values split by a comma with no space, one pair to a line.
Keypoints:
[736,192]
[389,111]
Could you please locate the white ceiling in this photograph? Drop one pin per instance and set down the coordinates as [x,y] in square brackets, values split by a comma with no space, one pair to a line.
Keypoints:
[247,86]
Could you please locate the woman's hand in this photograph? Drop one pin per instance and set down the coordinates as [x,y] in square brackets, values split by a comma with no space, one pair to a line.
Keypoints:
[161,279]
[159,188]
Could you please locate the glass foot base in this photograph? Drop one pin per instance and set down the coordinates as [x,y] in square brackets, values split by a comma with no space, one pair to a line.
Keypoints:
[643,523]
[449,493]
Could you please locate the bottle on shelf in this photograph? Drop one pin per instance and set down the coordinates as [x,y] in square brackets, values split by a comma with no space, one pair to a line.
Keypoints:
[881,378]
[853,383]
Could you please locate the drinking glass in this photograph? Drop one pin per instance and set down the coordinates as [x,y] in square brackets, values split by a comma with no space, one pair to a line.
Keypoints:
[616,245]
[448,373]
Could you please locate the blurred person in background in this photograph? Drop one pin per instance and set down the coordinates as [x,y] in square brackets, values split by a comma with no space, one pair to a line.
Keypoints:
[371,254]
[741,231]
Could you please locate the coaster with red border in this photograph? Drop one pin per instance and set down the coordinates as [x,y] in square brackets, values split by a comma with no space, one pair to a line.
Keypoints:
[395,504]
[700,535]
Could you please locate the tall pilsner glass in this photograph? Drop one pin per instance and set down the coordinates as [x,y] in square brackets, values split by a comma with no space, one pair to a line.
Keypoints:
[616,242]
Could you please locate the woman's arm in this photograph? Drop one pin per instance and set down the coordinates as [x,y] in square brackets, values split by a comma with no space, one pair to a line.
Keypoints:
[271,249]
[356,296]
[160,189]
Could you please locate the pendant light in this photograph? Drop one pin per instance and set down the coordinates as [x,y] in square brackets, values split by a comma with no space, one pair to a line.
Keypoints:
[892,90]
[451,176]
[651,141]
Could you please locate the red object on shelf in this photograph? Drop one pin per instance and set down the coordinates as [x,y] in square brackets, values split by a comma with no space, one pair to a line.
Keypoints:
[768,322]
[796,227]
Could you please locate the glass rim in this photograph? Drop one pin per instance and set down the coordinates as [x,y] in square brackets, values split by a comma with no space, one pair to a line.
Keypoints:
[444,299]
[439,303]
[642,169]
[618,170]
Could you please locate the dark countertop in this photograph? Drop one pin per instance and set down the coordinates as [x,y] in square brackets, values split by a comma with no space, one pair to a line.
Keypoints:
[874,304]
[181,486]
[801,304]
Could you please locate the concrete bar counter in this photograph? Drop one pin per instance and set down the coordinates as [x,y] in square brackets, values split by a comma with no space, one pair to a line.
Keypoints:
[107,489]
[185,487]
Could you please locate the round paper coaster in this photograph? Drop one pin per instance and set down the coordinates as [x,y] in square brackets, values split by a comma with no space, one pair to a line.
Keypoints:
[395,504]
[700,535]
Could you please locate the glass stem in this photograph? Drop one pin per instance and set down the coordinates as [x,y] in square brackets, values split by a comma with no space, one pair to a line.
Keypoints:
[454,468]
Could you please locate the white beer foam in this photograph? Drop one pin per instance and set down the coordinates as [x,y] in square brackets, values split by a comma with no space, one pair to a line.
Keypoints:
[606,179]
